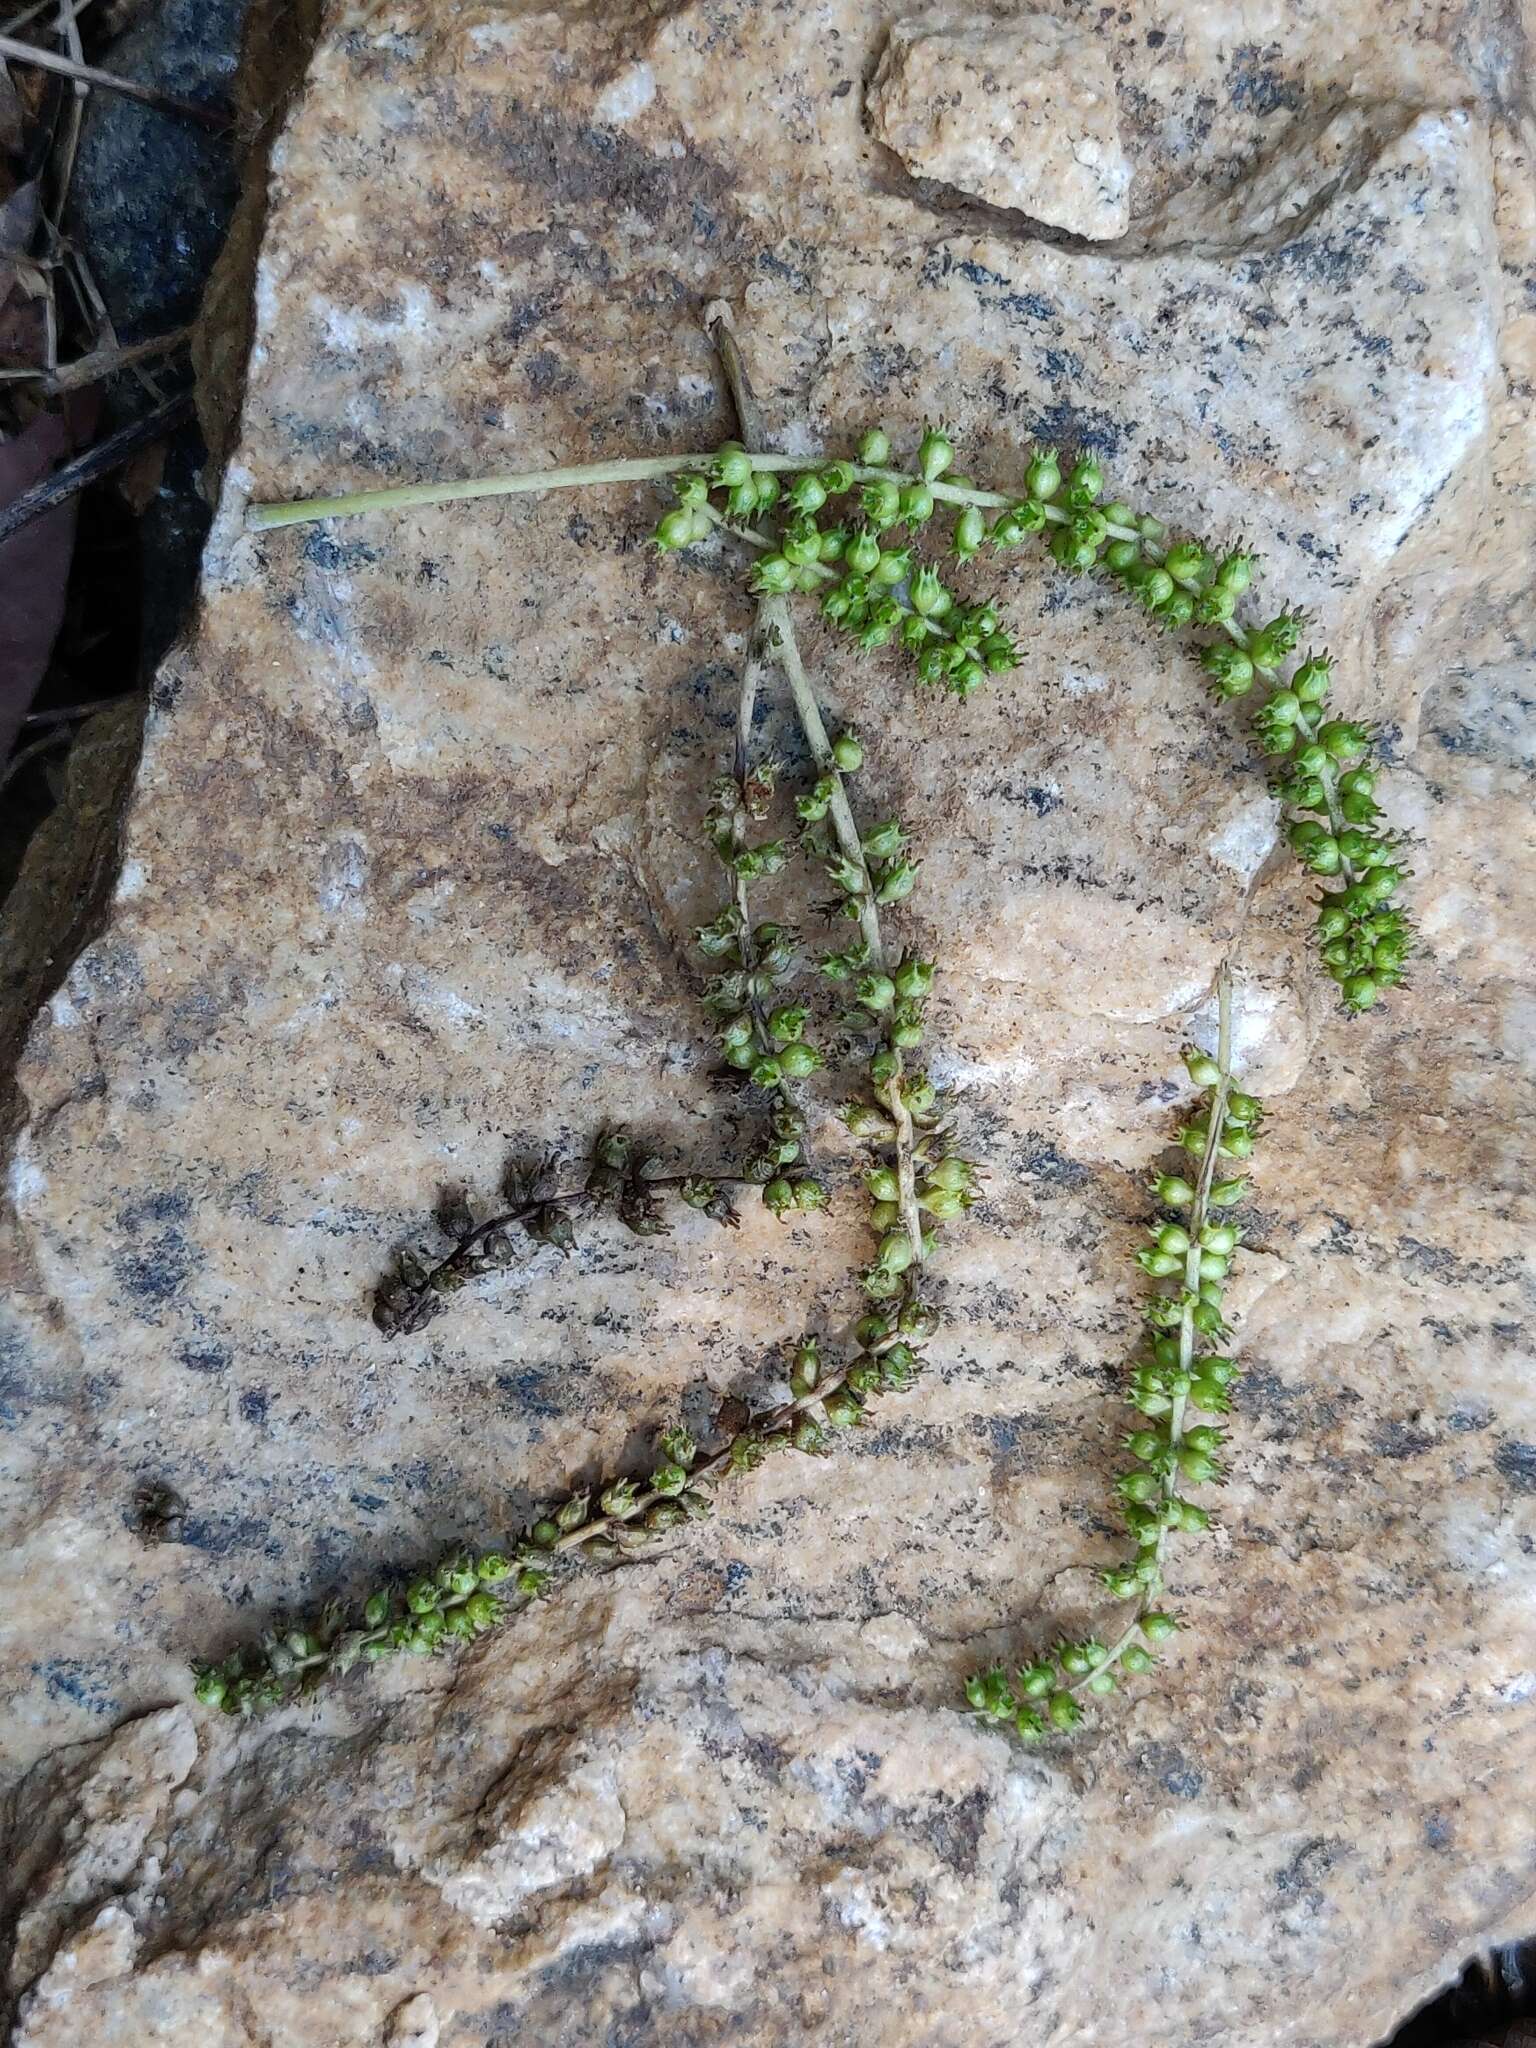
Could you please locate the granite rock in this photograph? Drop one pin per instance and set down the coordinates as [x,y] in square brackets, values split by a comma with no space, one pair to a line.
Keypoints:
[1019,112]
[405,884]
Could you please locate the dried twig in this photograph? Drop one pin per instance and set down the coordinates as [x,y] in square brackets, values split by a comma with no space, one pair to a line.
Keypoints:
[90,74]
[102,363]
[94,464]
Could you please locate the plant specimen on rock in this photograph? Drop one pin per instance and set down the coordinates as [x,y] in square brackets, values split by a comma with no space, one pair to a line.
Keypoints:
[885,550]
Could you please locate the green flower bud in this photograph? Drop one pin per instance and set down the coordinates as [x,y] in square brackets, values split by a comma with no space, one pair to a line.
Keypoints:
[211,1690]
[916,504]
[810,1194]
[863,552]
[1343,739]
[1187,562]
[773,575]
[970,532]
[882,506]
[788,1021]
[767,1072]
[929,597]
[674,529]
[483,1610]
[779,1195]
[884,1185]
[1161,1265]
[1174,1190]
[875,448]
[848,753]
[808,493]
[842,1410]
[1215,606]
[1312,680]
[1135,1659]
[1235,572]
[1085,482]
[1202,1069]
[1229,667]
[935,454]
[798,1060]
[895,1252]
[733,466]
[1121,1584]
[1064,1711]
[877,992]
[865,1121]
[1140,1487]
[896,882]
[808,1435]
[376,1610]
[1042,478]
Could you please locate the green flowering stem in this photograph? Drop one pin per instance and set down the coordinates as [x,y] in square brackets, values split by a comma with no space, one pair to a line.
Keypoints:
[469,1594]
[1200,1220]
[633,469]
[1192,1252]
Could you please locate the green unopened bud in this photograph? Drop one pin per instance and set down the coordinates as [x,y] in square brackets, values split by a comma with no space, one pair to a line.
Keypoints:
[895,1253]
[929,597]
[798,1060]
[1157,1627]
[733,466]
[935,454]
[875,448]
[779,1195]
[877,992]
[1173,1189]
[1042,478]
[896,882]
[848,753]
[807,494]
[1065,1713]
[1202,1069]
[970,532]
[865,1121]
[916,504]
[674,529]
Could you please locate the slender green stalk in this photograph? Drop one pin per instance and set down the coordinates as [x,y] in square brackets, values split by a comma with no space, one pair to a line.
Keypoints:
[1192,1251]
[630,469]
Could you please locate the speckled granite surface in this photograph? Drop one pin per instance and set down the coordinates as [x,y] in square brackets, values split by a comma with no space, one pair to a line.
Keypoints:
[407,880]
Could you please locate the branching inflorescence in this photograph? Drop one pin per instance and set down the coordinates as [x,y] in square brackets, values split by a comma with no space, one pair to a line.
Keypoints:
[849,534]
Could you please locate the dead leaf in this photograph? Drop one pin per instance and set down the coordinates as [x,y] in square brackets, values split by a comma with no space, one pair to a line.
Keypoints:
[12,124]
[34,570]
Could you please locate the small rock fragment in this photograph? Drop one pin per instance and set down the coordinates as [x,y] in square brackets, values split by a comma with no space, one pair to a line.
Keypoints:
[413,2024]
[1020,113]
